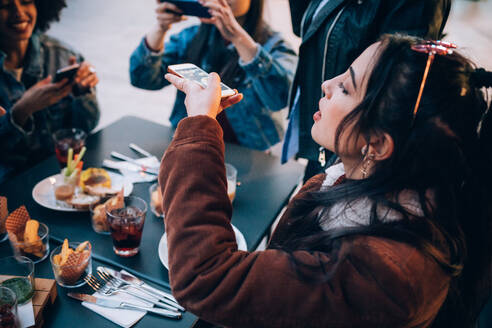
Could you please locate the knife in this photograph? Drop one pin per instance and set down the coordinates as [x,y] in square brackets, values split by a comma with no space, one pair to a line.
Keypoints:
[115,304]
[144,168]
[142,286]
[140,150]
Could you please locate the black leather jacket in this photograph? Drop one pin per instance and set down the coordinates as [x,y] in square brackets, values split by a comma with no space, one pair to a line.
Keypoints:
[340,32]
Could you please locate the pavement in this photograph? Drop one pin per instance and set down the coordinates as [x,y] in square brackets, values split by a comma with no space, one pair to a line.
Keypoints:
[106,32]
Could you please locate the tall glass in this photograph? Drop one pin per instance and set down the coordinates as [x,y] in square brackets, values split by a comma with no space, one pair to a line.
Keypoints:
[17,274]
[126,226]
[65,139]
[8,308]
[231,174]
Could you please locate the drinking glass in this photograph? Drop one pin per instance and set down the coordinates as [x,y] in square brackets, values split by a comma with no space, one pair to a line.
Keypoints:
[8,308]
[65,139]
[231,174]
[17,274]
[156,200]
[36,251]
[72,274]
[98,216]
[126,226]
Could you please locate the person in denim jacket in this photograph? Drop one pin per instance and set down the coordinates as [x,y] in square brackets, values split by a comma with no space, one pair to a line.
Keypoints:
[237,44]
[35,105]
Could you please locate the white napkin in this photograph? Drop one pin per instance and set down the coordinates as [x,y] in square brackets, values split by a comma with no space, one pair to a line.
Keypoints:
[25,314]
[131,172]
[124,318]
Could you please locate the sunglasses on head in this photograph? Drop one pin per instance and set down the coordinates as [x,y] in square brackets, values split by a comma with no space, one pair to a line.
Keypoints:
[432,48]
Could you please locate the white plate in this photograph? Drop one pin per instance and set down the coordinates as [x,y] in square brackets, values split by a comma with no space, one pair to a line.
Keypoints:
[44,195]
[241,245]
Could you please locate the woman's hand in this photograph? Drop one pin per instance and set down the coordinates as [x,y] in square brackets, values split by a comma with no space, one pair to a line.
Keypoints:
[167,14]
[39,96]
[200,101]
[2,111]
[86,77]
[223,18]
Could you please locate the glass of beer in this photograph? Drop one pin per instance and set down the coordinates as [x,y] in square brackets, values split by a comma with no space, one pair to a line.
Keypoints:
[231,174]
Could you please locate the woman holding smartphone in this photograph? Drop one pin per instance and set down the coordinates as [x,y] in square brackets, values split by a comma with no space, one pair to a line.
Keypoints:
[35,105]
[239,45]
[397,234]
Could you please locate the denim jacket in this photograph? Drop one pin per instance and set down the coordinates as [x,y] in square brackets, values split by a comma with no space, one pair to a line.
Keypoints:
[22,147]
[265,87]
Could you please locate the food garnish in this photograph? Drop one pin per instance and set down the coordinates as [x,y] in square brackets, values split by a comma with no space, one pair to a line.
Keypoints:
[72,165]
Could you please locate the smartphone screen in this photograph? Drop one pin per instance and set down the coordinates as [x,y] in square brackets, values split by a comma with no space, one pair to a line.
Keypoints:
[196,74]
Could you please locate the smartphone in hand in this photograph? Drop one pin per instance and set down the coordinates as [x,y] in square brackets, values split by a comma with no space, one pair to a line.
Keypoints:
[190,8]
[196,74]
[67,72]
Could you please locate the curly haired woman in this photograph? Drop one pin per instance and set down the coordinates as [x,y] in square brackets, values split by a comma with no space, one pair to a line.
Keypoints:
[35,105]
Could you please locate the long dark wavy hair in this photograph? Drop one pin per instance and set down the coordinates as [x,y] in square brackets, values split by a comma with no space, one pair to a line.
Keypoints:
[443,155]
[48,12]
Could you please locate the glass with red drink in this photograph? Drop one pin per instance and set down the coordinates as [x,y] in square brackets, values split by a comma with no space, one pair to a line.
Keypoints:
[64,140]
[126,226]
[8,308]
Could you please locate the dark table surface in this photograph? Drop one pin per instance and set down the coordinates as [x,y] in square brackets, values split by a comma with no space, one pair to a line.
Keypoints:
[265,187]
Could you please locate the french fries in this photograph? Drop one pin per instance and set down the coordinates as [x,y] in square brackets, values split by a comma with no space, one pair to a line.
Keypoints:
[24,233]
[70,263]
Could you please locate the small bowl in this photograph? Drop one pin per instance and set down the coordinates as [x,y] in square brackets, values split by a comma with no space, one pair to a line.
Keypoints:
[72,276]
[153,189]
[17,273]
[99,224]
[36,252]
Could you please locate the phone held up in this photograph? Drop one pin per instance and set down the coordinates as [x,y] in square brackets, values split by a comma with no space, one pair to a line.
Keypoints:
[67,72]
[196,74]
[189,8]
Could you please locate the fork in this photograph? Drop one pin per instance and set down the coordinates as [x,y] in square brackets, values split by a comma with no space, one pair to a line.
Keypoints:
[119,283]
[96,285]
[109,289]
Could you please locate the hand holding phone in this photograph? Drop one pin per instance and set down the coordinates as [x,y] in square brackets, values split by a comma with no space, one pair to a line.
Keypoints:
[67,72]
[190,8]
[194,73]
[203,101]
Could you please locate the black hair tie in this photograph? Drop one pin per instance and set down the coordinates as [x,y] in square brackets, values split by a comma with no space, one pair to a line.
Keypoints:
[481,78]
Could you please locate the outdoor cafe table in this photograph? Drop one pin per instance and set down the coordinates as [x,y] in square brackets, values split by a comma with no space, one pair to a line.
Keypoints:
[265,187]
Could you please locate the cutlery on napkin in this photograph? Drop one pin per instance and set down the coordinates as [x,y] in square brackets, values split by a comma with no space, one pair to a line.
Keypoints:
[118,304]
[122,317]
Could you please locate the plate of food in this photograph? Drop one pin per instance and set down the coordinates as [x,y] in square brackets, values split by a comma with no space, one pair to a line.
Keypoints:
[163,256]
[56,193]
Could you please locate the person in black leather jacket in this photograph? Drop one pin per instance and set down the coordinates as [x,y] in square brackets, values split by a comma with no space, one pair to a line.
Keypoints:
[334,33]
